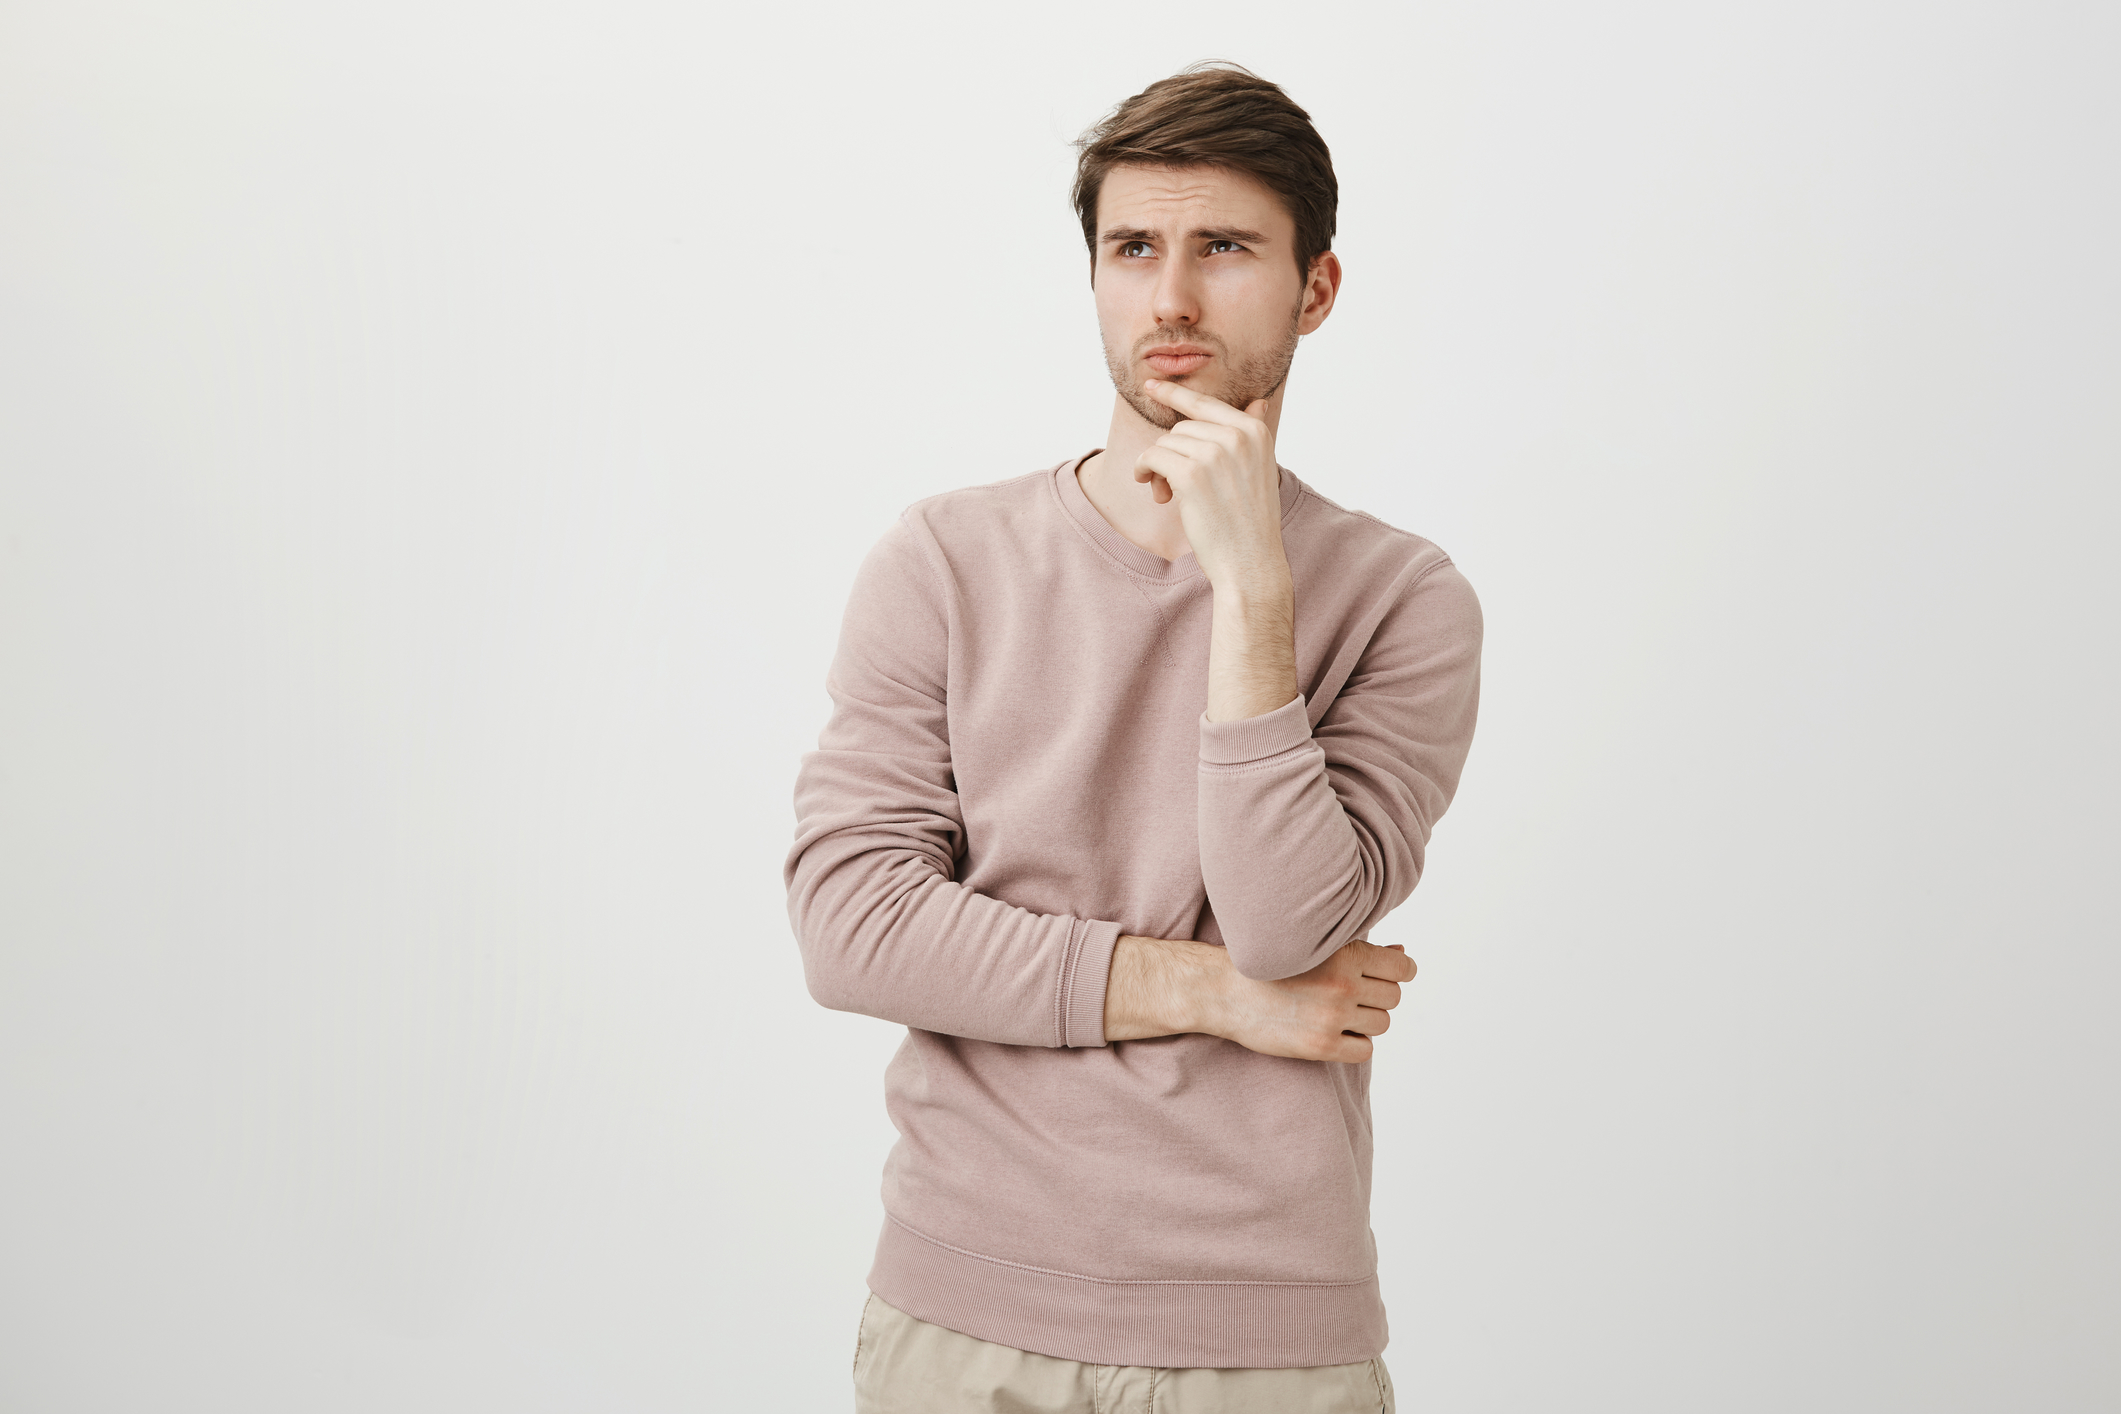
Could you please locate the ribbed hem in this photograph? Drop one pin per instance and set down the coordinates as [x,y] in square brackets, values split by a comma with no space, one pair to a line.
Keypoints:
[1167,1324]
[1254,738]
[1079,1002]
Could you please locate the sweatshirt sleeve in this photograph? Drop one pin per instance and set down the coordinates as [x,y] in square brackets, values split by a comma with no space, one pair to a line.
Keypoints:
[1311,834]
[884,927]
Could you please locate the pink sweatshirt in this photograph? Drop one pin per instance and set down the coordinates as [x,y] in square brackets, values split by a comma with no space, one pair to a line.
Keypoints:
[1017,770]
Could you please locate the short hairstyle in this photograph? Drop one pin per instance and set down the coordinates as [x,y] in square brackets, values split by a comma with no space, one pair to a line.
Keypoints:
[1216,115]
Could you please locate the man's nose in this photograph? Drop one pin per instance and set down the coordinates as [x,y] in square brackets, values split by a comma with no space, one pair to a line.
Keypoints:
[1177,298]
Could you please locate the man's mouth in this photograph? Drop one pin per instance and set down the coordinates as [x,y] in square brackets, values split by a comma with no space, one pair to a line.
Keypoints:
[1176,360]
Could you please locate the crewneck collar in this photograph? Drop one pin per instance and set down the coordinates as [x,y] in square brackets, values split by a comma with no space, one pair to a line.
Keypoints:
[1132,557]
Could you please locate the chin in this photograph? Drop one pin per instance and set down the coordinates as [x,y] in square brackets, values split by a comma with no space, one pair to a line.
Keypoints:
[1162,418]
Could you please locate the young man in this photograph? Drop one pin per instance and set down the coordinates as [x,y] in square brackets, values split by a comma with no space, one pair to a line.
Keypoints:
[1126,758]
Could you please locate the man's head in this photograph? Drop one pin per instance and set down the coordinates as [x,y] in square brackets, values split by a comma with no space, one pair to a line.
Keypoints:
[1208,202]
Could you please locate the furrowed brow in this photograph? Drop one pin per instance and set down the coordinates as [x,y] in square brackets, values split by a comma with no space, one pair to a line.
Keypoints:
[1200,233]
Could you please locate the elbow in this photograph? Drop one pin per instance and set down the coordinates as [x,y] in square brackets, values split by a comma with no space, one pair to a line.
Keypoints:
[837,987]
[829,990]
[826,975]
[823,981]
[1288,941]
[845,921]
[1267,968]
[829,974]
[1284,954]
[1273,936]
[836,937]
[1274,931]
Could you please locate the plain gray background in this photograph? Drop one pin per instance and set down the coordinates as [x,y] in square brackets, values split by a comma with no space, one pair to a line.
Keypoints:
[436,440]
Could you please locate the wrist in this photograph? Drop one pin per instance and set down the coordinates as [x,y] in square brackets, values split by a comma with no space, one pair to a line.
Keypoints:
[1252,648]
[1193,985]
[1208,994]
[1267,589]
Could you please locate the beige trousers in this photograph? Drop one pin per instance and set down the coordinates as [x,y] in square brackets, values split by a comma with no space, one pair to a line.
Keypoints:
[905,1366]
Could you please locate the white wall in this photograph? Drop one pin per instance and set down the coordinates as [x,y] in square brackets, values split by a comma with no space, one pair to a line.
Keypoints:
[435,440]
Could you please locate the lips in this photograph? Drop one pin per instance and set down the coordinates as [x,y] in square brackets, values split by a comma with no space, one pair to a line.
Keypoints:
[1176,360]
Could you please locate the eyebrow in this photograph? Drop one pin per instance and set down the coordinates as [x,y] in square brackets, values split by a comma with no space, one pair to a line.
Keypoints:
[1199,233]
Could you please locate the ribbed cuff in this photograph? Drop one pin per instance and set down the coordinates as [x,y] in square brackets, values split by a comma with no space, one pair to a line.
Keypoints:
[1080,1005]
[1254,738]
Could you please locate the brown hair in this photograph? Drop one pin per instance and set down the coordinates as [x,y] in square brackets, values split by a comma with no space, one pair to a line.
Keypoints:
[1217,115]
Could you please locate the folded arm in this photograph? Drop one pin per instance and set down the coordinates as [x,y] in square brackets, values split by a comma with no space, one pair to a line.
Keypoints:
[884,927]
[1304,841]
[1310,833]
[1311,829]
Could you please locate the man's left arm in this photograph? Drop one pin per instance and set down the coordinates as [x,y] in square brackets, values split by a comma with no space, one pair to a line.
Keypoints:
[1309,833]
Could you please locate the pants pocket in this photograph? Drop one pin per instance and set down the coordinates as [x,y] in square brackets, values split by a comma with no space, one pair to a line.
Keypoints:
[861,1335]
[1383,1378]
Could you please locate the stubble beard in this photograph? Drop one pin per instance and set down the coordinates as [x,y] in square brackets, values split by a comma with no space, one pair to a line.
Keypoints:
[1256,376]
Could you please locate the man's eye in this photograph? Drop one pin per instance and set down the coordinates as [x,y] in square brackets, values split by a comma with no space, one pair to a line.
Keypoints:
[1135,248]
[1218,247]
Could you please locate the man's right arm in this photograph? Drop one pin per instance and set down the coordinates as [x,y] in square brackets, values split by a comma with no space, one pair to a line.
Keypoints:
[884,926]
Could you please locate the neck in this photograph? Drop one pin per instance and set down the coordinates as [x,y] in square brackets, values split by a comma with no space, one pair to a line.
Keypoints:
[1129,506]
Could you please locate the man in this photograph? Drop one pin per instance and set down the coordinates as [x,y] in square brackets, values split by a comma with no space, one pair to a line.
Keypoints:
[1126,758]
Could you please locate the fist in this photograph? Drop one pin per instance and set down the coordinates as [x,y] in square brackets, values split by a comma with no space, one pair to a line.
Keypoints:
[1329,1013]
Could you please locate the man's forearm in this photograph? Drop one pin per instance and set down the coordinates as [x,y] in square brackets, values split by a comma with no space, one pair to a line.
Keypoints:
[1174,986]
[1252,645]
[1160,987]
[1219,465]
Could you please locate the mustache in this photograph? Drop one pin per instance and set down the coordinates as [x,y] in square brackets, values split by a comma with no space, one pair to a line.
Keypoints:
[1176,336]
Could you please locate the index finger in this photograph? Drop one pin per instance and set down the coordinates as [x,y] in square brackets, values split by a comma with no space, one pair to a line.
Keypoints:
[1192,404]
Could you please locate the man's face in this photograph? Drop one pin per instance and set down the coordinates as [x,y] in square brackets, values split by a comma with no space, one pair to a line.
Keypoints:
[1196,283]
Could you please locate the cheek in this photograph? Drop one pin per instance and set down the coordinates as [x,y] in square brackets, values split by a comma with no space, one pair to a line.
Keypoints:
[1122,304]
[1253,305]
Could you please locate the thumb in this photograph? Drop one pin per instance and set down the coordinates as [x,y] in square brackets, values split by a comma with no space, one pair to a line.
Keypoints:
[1257,408]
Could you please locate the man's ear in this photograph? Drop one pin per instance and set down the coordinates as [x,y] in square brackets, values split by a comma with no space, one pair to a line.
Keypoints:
[1321,289]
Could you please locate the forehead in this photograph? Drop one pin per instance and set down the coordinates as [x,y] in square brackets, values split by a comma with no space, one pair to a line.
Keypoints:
[1154,197]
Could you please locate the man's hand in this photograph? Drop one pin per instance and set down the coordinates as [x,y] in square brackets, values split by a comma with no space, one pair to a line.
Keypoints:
[1219,464]
[1167,986]
[1311,1016]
